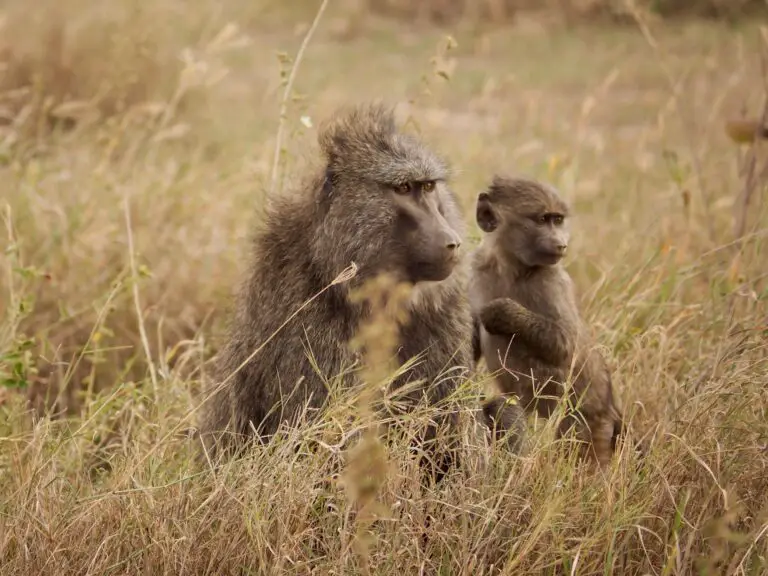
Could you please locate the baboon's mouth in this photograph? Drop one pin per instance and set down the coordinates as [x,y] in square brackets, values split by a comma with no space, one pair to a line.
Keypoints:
[432,271]
[550,258]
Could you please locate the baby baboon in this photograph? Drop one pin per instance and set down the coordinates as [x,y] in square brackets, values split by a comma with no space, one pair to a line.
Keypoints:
[381,200]
[527,320]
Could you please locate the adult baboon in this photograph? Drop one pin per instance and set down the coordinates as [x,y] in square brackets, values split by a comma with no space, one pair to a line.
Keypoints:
[381,201]
[529,330]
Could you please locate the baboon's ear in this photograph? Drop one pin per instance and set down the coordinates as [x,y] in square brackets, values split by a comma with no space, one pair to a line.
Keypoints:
[486,216]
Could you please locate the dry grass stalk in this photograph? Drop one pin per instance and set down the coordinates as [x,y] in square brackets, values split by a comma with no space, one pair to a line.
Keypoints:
[377,342]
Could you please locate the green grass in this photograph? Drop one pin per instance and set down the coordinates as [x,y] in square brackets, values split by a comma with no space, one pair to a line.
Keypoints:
[96,466]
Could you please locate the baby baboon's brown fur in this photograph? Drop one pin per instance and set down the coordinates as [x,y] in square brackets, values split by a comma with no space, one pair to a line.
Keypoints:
[528,322]
[381,200]
[505,419]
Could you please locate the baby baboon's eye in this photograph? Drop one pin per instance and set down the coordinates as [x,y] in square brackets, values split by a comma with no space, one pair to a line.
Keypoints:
[428,186]
[404,188]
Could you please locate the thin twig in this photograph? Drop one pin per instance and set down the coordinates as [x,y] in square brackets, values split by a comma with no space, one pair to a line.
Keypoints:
[287,93]
[136,302]
[12,258]
[752,177]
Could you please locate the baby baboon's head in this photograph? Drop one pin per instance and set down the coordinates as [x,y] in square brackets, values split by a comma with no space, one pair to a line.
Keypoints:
[385,203]
[527,219]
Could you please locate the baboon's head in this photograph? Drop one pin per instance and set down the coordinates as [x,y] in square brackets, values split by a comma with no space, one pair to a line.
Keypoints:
[385,203]
[526,218]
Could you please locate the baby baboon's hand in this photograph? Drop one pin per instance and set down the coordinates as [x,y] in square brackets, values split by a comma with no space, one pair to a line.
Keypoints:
[501,316]
[545,338]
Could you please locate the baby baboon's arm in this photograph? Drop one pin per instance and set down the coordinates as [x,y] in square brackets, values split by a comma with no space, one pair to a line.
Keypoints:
[548,339]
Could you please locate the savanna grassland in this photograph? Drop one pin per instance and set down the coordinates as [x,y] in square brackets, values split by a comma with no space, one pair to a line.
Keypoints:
[136,146]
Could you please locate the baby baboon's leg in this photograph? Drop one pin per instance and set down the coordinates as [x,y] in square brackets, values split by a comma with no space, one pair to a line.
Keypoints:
[574,421]
[602,434]
[505,419]
[596,432]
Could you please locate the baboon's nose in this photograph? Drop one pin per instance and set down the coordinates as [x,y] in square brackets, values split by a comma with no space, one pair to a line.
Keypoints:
[561,248]
[449,238]
[452,241]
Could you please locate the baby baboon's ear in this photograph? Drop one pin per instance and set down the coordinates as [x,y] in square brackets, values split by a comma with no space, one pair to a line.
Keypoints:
[486,216]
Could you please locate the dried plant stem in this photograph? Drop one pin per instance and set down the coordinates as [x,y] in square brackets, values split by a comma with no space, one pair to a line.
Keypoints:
[136,301]
[287,94]
[752,176]
[13,305]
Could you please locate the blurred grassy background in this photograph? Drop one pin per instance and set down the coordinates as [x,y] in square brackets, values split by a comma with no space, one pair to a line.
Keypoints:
[172,111]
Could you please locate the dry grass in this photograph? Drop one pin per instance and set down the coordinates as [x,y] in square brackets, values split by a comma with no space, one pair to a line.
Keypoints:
[453,11]
[629,125]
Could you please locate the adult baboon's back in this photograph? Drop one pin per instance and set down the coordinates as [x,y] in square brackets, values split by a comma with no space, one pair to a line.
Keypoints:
[381,201]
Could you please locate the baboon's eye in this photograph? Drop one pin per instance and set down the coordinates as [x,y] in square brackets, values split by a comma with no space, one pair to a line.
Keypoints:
[428,186]
[557,219]
[541,219]
[404,188]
